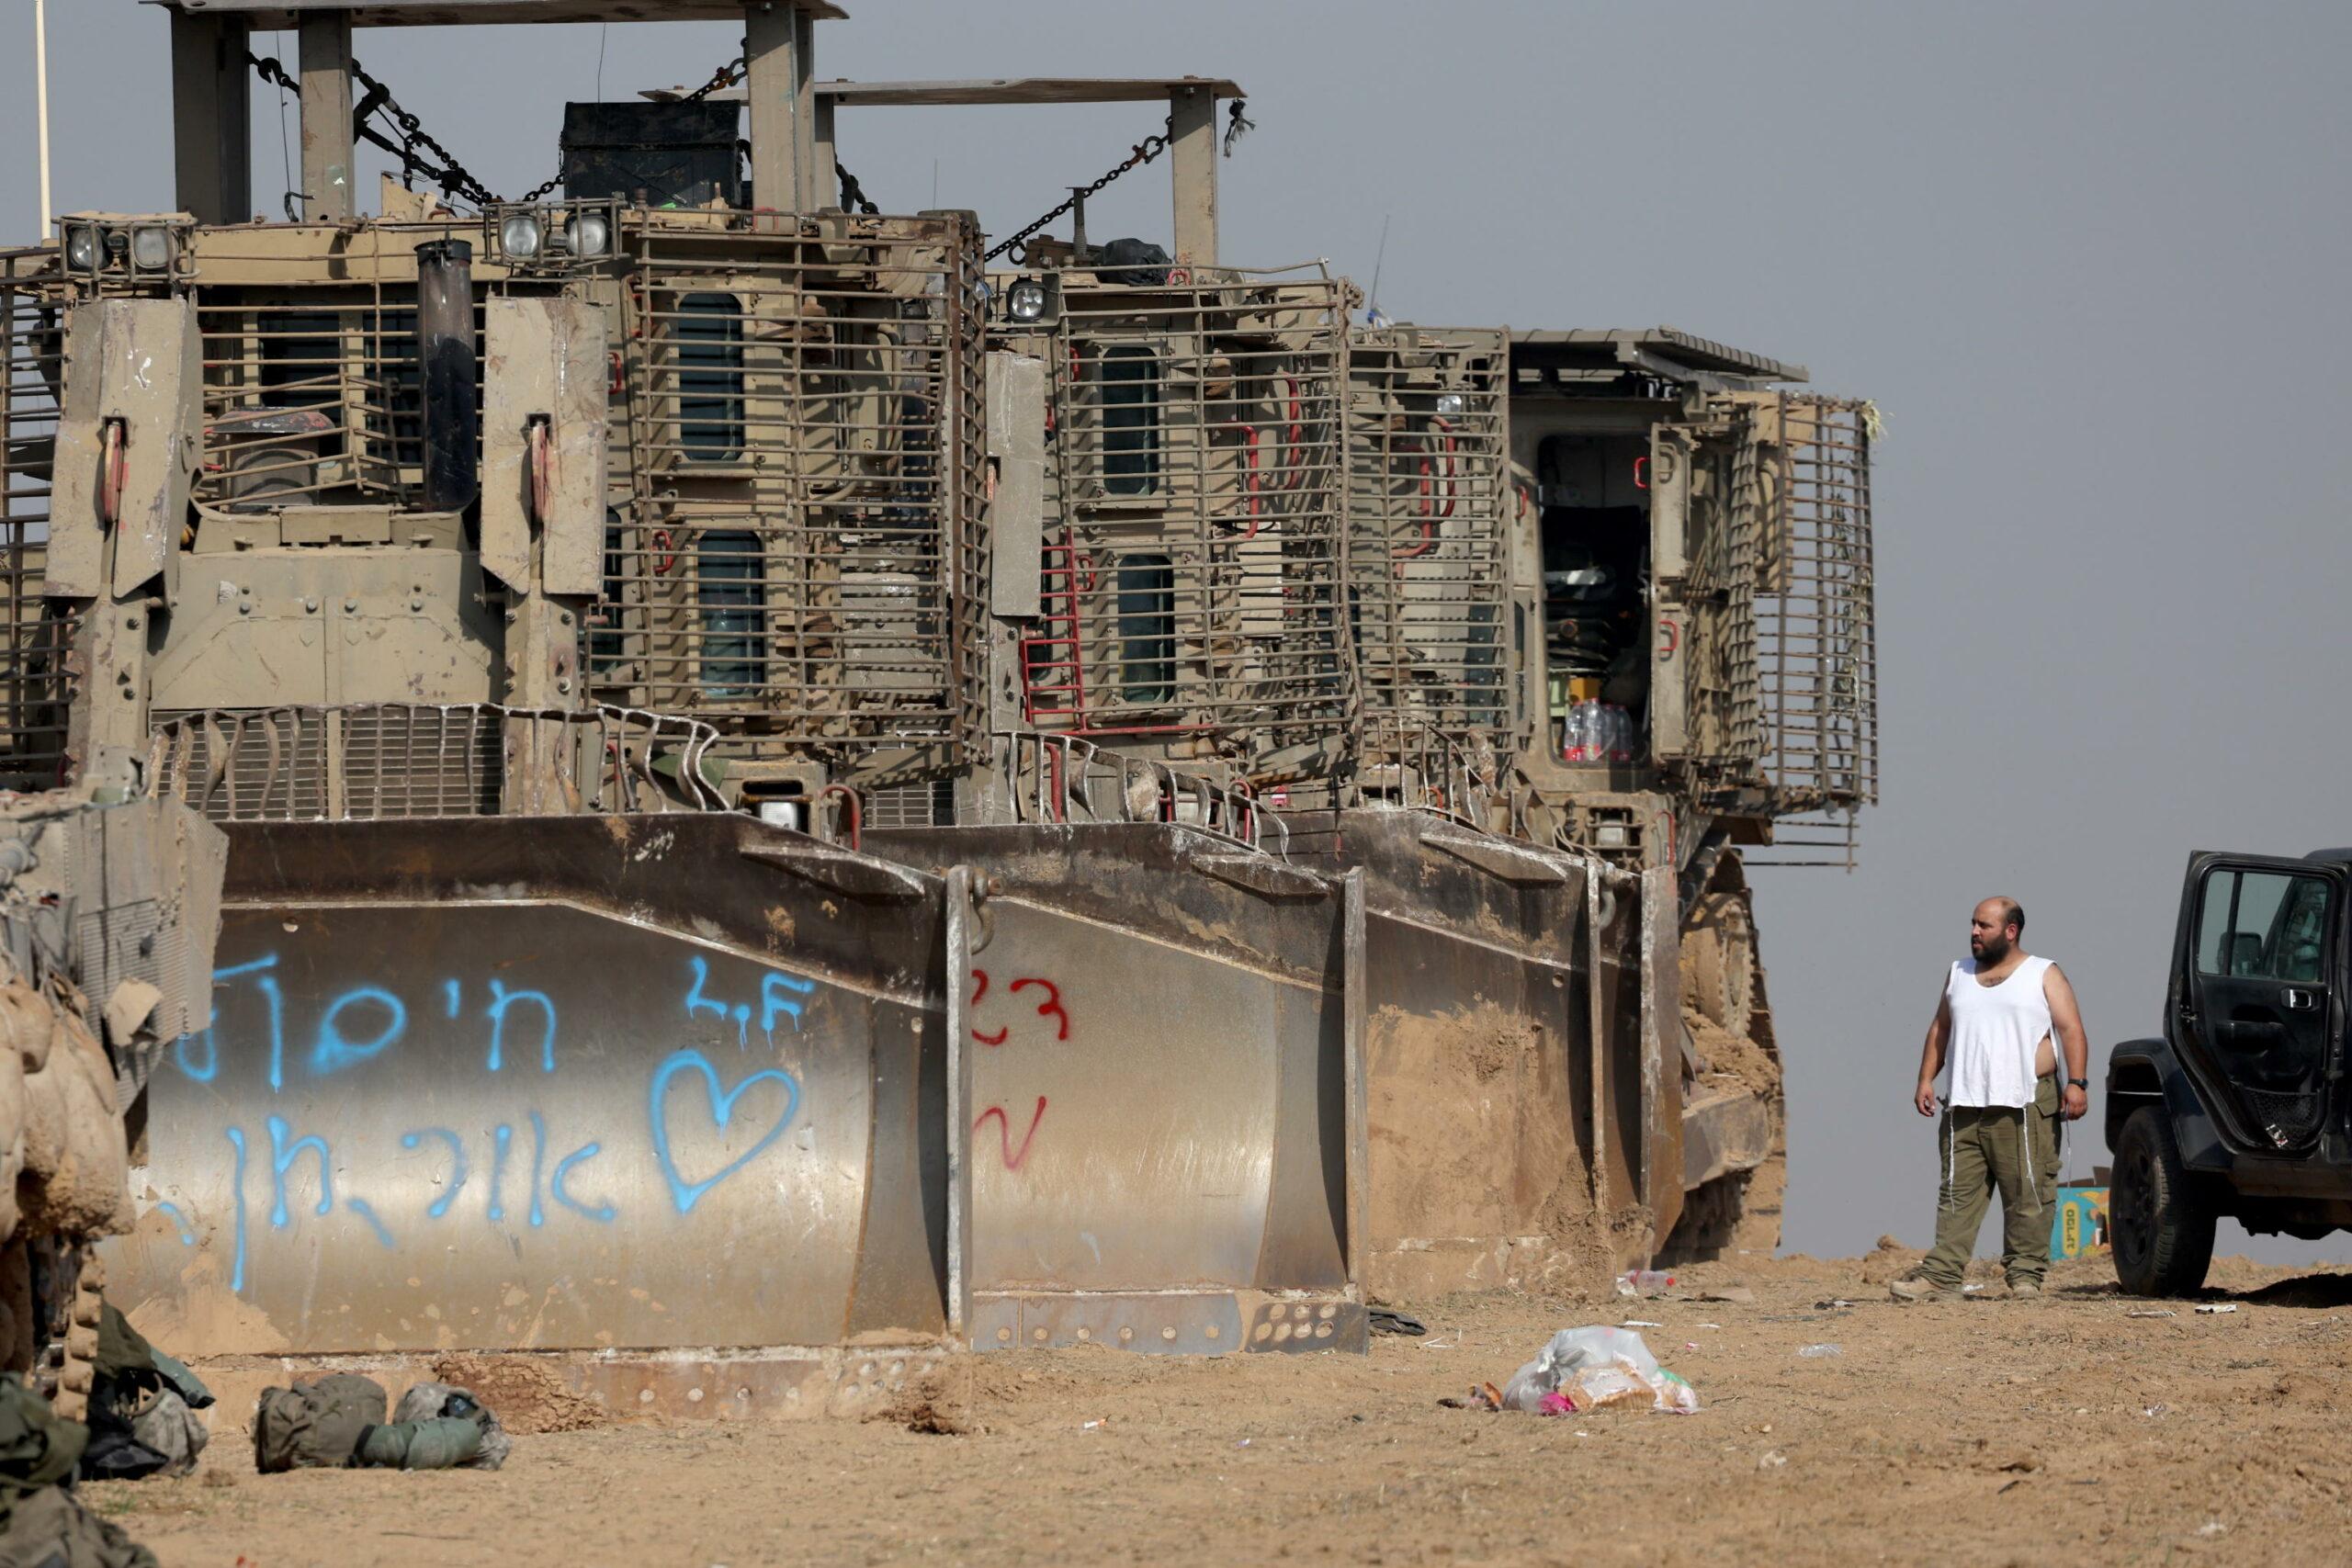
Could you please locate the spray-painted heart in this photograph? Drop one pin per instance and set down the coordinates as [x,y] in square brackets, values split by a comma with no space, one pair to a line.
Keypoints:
[686,1194]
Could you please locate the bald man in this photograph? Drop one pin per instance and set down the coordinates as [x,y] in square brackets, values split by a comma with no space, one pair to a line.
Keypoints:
[1995,1024]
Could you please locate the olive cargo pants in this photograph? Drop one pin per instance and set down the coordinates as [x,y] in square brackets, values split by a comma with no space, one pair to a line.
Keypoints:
[2001,1146]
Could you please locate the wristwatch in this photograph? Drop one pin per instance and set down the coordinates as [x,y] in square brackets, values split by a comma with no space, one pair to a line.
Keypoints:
[2082,1084]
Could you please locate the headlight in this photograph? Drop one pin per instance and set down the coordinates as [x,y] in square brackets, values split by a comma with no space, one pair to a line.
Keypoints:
[1025,301]
[592,235]
[519,235]
[1450,404]
[151,249]
[82,247]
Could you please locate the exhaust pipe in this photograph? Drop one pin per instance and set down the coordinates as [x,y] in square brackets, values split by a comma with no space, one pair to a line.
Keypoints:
[445,332]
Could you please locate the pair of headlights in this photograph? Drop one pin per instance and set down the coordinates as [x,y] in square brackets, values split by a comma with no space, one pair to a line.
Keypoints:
[142,247]
[525,236]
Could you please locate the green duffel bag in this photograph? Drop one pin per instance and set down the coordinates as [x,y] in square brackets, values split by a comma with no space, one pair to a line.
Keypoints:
[443,1442]
[317,1423]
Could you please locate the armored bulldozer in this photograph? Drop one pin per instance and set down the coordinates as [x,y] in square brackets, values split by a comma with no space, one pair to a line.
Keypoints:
[789,793]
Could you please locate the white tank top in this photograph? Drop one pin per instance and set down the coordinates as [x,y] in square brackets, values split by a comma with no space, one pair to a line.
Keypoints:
[1995,1031]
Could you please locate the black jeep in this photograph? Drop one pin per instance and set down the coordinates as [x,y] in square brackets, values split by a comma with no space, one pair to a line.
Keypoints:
[2237,1110]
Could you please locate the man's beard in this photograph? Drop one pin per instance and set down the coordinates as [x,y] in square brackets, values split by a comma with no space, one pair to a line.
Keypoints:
[1991,949]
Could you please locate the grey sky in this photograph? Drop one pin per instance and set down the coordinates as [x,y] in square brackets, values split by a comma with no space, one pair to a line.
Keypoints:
[2089,259]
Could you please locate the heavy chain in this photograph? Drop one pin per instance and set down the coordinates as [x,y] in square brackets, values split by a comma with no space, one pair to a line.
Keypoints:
[453,177]
[727,75]
[1150,147]
[854,197]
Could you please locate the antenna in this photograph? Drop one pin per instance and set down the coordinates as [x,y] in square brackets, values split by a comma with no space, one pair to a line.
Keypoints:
[41,98]
[1371,301]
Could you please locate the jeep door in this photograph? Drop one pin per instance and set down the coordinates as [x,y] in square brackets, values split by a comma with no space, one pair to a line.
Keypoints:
[2257,981]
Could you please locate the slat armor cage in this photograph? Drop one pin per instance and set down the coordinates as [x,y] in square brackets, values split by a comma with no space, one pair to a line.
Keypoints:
[1801,631]
[1194,551]
[795,553]
[34,683]
[1428,579]
[792,549]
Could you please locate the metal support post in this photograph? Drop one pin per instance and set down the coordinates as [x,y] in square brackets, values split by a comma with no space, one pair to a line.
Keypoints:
[826,156]
[779,46]
[211,117]
[326,116]
[1192,140]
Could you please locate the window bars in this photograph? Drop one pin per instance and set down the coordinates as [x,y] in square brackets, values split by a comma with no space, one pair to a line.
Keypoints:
[1194,557]
[34,684]
[794,551]
[1428,505]
[1803,590]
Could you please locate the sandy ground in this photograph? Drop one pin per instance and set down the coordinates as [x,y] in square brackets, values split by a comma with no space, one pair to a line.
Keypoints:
[1980,1431]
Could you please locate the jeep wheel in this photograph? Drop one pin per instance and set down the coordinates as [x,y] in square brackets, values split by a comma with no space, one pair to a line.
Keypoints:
[2163,1228]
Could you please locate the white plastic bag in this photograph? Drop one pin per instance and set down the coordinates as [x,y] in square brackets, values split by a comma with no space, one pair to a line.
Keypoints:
[1595,1366]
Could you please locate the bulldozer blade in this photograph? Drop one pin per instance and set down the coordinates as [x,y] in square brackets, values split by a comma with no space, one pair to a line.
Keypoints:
[591,1084]
[1156,1055]
[1523,1126]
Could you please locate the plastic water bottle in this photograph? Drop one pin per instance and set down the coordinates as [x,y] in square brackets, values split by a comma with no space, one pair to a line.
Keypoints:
[1641,1283]
[1574,737]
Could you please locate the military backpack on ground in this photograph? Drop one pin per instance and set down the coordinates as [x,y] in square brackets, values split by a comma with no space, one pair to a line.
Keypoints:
[317,1423]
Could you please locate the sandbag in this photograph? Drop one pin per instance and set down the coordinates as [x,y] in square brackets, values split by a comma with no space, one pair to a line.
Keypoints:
[316,1424]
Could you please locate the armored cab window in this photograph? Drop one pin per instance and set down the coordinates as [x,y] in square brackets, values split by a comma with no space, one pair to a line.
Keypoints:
[1130,398]
[1147,587]
[709,337]
[301,360]
[729,574]
[297,367]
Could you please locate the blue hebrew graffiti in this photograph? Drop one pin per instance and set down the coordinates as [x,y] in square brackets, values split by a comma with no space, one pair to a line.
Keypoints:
[457,1169]
[334,1052]
[269,986]
[539,1154]
[237,1142]
[602,1214]
[212,1056]
[505,1137]
[360,1207]
[349,1030]
[188,1232]
[282,1155]
[501,999]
